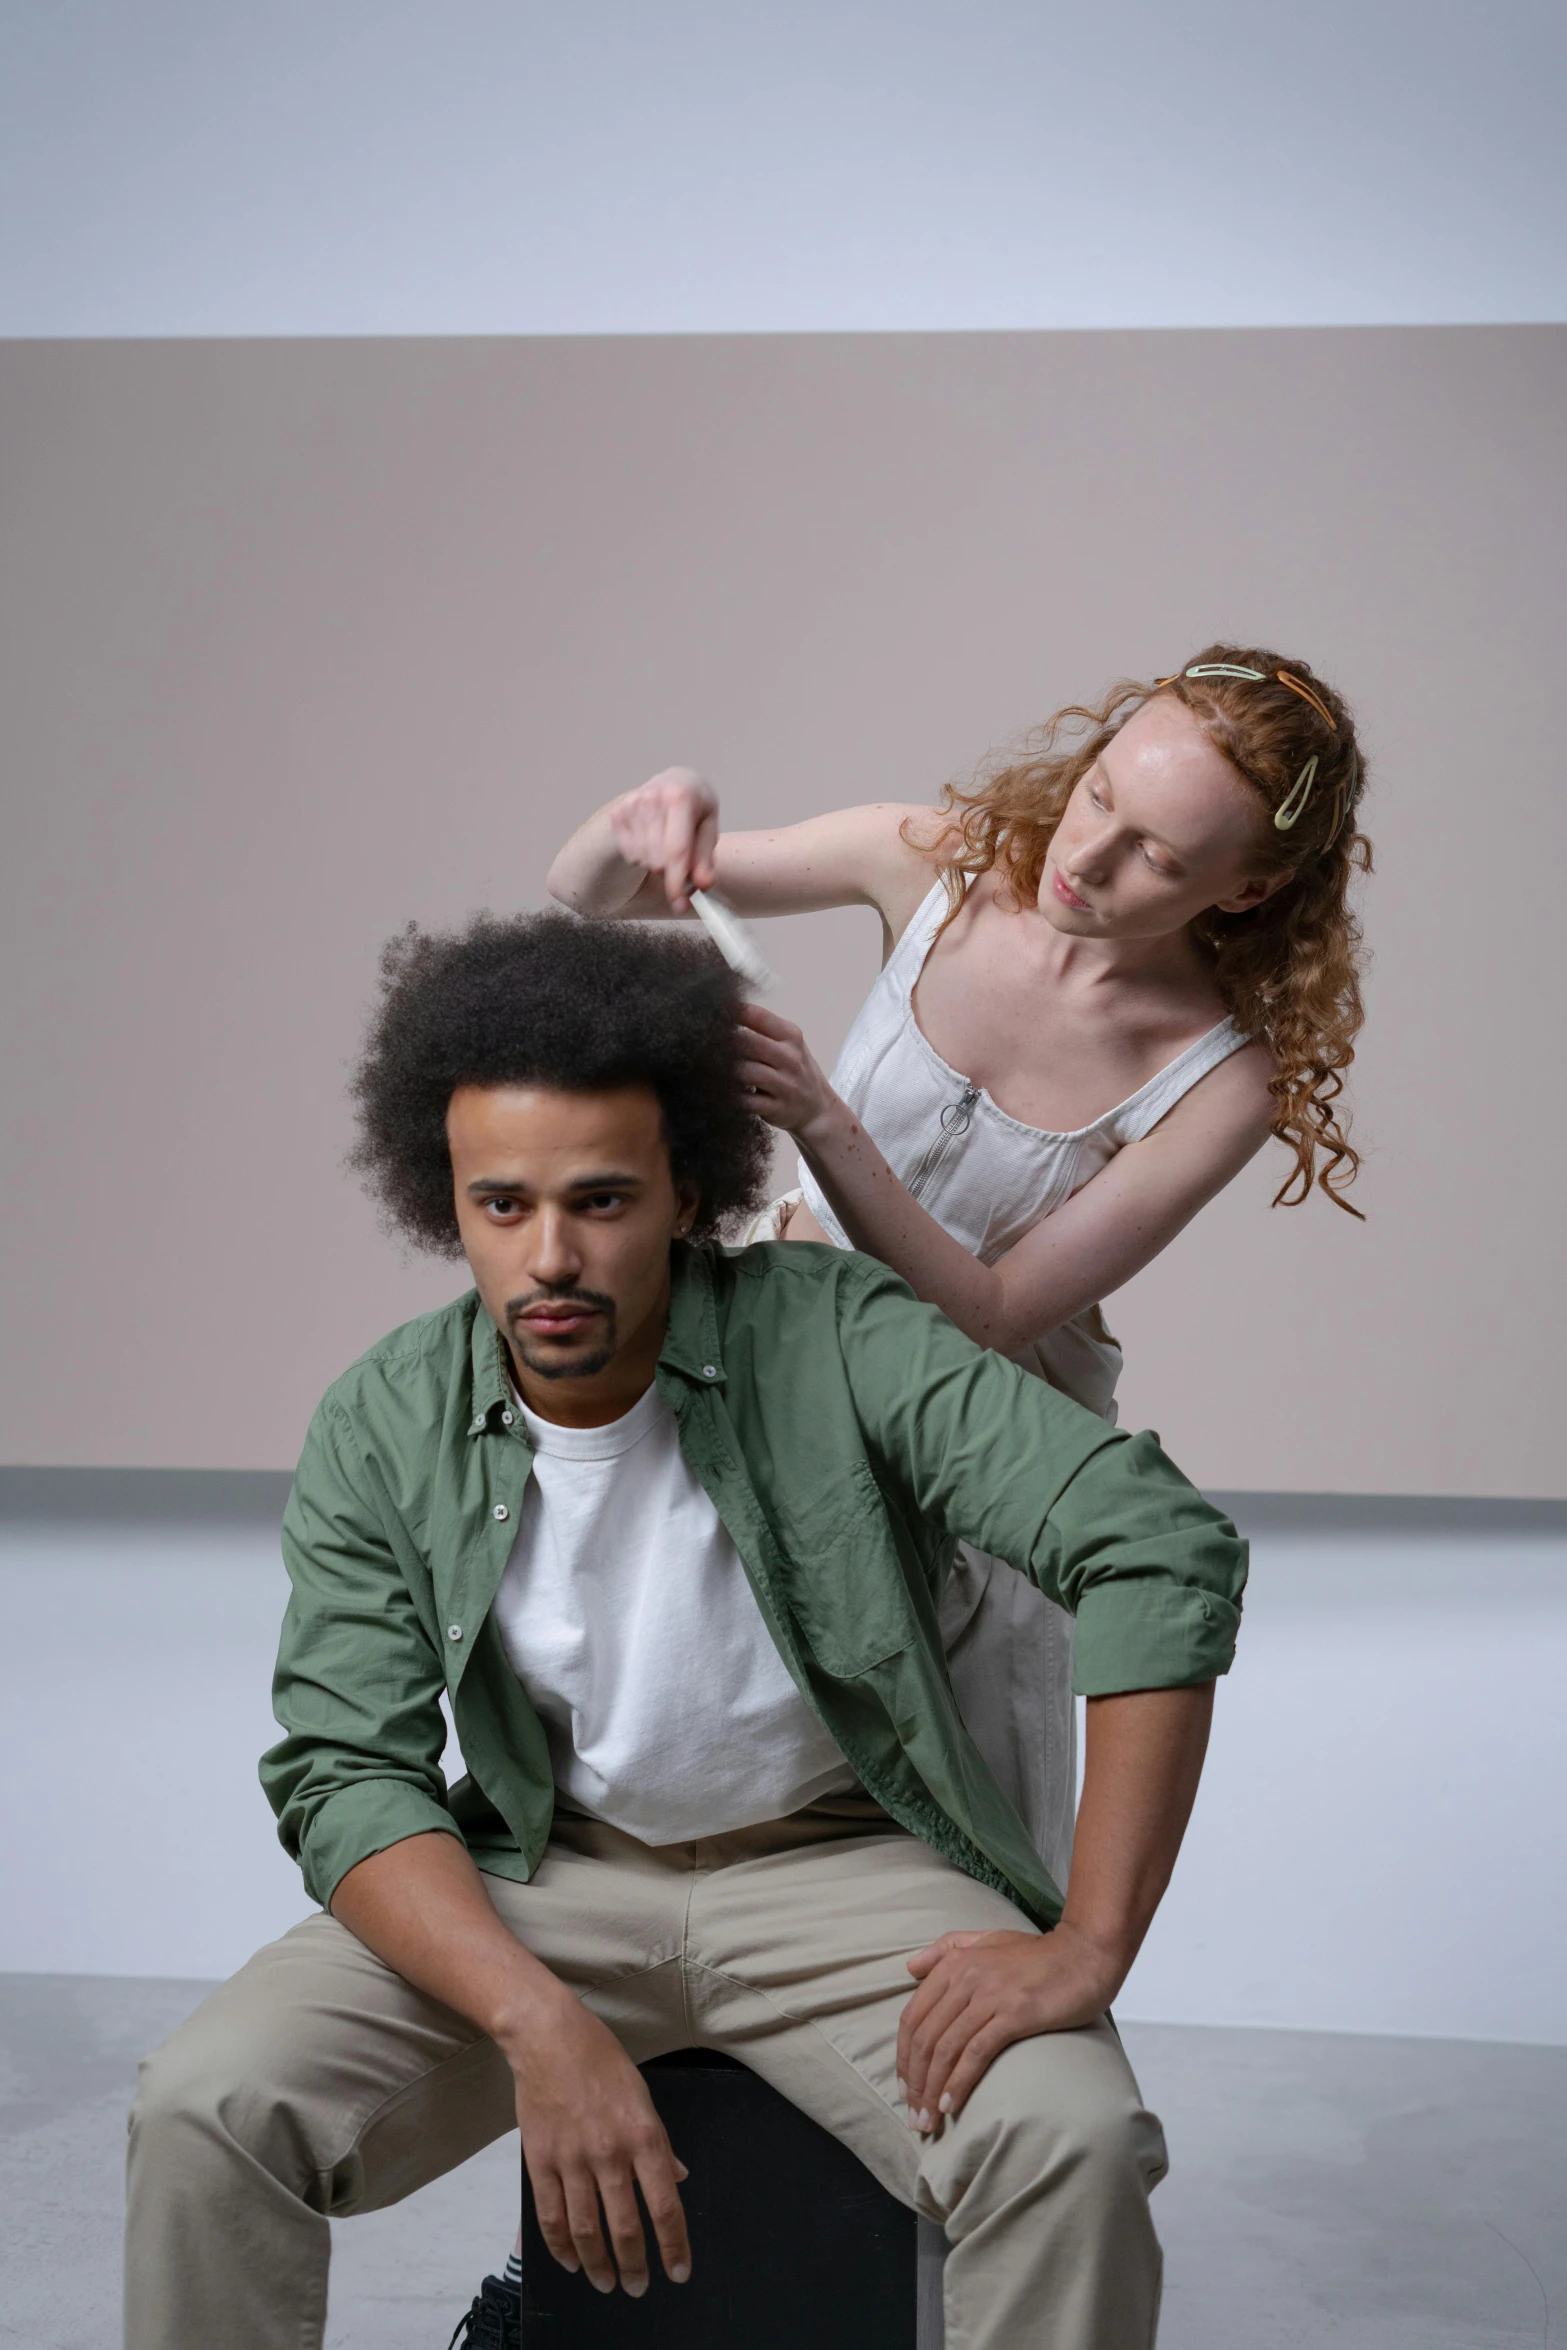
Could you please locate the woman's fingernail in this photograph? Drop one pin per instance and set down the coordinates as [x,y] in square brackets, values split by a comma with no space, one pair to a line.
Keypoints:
[924,2119]
[944,2103]
[903,2089]
[679,2273]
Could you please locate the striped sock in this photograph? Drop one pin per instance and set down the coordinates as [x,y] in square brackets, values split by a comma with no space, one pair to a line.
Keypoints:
[512,2278]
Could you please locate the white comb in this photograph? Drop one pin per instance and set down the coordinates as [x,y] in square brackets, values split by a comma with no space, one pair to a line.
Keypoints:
[732,939]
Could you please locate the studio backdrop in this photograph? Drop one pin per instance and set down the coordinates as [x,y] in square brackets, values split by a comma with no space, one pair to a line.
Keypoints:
[302,641]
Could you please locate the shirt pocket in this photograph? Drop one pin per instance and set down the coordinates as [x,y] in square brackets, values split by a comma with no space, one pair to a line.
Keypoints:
[846,1588]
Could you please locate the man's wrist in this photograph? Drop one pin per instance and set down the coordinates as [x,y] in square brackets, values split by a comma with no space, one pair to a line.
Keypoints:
[526,2012]
[1106,1951]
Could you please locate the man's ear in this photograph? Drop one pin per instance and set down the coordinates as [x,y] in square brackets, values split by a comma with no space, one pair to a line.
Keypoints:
[688,1200]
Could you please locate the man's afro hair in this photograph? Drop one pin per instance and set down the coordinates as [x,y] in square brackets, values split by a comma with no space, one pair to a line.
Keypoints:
[551,1000]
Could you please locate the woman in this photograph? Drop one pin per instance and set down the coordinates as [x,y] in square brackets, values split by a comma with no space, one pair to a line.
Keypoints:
[1113,968]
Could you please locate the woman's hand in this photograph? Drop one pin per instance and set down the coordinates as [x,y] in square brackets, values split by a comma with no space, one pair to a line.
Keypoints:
[669,826]
[781,1074]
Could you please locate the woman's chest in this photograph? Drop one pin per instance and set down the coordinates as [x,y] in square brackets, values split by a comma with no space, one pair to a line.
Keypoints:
[1048,1054]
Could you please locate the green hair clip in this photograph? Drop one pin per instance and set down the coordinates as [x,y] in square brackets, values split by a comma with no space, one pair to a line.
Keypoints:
[1294,807]
[1289,815]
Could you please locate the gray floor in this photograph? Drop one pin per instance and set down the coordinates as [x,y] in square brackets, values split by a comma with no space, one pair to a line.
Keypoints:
[1372,2193]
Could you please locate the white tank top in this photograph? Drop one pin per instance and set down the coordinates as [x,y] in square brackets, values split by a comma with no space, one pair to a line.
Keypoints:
[986,1177]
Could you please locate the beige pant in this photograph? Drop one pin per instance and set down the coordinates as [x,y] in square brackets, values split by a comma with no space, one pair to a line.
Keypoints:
[317,2083]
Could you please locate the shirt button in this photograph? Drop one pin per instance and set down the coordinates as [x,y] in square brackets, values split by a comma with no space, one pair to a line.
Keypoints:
[710,1370]
[477,1425]
[500,1511]
[505,1419]
[454,1631]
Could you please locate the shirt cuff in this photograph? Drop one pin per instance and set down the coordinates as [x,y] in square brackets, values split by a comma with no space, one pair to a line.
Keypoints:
[1138,1635]
[360,1820]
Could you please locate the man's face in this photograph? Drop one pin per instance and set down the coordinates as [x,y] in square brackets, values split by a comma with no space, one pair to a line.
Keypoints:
[566,1207]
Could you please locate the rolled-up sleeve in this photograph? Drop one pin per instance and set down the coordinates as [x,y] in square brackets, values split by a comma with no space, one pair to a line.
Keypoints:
[1101,1520]
[358,1682]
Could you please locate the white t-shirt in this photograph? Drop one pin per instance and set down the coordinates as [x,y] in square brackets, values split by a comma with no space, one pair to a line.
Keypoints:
[627,1616]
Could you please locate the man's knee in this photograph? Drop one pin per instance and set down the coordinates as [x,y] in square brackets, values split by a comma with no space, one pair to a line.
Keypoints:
[210,2090]
[1060,2114]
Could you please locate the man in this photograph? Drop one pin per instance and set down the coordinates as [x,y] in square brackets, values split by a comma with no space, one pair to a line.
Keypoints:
[669,1525]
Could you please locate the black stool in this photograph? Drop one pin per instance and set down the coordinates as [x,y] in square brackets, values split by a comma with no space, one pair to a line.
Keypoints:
[792,2240]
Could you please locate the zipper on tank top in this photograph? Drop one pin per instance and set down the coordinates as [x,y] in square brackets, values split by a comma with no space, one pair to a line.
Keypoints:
[956,1119]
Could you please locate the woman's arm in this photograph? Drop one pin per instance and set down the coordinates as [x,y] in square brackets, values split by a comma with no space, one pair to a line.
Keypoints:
[644,853]
[1091,1245]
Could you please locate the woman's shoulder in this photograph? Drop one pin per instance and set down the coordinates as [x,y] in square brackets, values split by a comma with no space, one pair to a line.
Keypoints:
[1228,1078]
[902,844]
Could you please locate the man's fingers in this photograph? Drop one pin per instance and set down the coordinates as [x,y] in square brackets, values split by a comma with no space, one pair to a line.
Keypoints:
[549,2203]
[625,2229]
[971,2067]
[976,2015]
[587,2236]
[923,1960]
[927,2037]
[933,1988]
[658,2177]
[917,2009]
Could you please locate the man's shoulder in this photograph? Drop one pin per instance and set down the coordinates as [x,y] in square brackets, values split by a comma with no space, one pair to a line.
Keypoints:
[774,1284]
[801,1269]
[411,1363]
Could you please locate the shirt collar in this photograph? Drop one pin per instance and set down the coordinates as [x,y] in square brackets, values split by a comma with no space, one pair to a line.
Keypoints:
[491,1372]
[690,1343]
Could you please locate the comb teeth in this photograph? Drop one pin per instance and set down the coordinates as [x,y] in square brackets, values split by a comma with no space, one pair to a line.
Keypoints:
[732,939]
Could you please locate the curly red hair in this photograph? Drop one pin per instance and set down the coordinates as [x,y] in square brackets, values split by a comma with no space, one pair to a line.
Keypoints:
[1289,970]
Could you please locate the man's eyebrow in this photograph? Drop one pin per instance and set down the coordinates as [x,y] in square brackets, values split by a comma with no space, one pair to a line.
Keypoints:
[607,1179]
[602,1179]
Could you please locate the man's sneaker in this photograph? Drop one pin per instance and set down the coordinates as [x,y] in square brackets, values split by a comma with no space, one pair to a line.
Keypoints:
[494,2322]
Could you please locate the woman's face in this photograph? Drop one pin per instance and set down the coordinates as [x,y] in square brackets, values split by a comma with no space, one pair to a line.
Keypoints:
[1159,829]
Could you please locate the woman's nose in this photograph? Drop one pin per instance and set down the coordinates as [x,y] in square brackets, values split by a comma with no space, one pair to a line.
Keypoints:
[1089,854]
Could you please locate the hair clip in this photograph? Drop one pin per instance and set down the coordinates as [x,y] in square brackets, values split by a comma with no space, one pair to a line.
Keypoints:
[1344,800]
[1224,669]
[1287,817]
[1298,685]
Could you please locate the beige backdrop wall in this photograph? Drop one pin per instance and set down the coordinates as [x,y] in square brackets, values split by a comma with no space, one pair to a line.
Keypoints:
[303,639]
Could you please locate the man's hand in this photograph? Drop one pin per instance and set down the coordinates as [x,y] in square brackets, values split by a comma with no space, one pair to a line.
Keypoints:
[590,2137]
[980,1992]
[589,2131]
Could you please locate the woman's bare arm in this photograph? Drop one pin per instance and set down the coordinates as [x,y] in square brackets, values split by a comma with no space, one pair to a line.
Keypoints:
[642,854]
[1090,1246]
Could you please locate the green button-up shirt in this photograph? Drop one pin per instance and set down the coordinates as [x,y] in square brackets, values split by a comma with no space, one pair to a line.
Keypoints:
[848,1437]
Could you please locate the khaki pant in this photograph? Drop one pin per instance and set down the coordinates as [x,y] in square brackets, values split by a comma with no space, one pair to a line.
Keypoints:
[318,2083]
